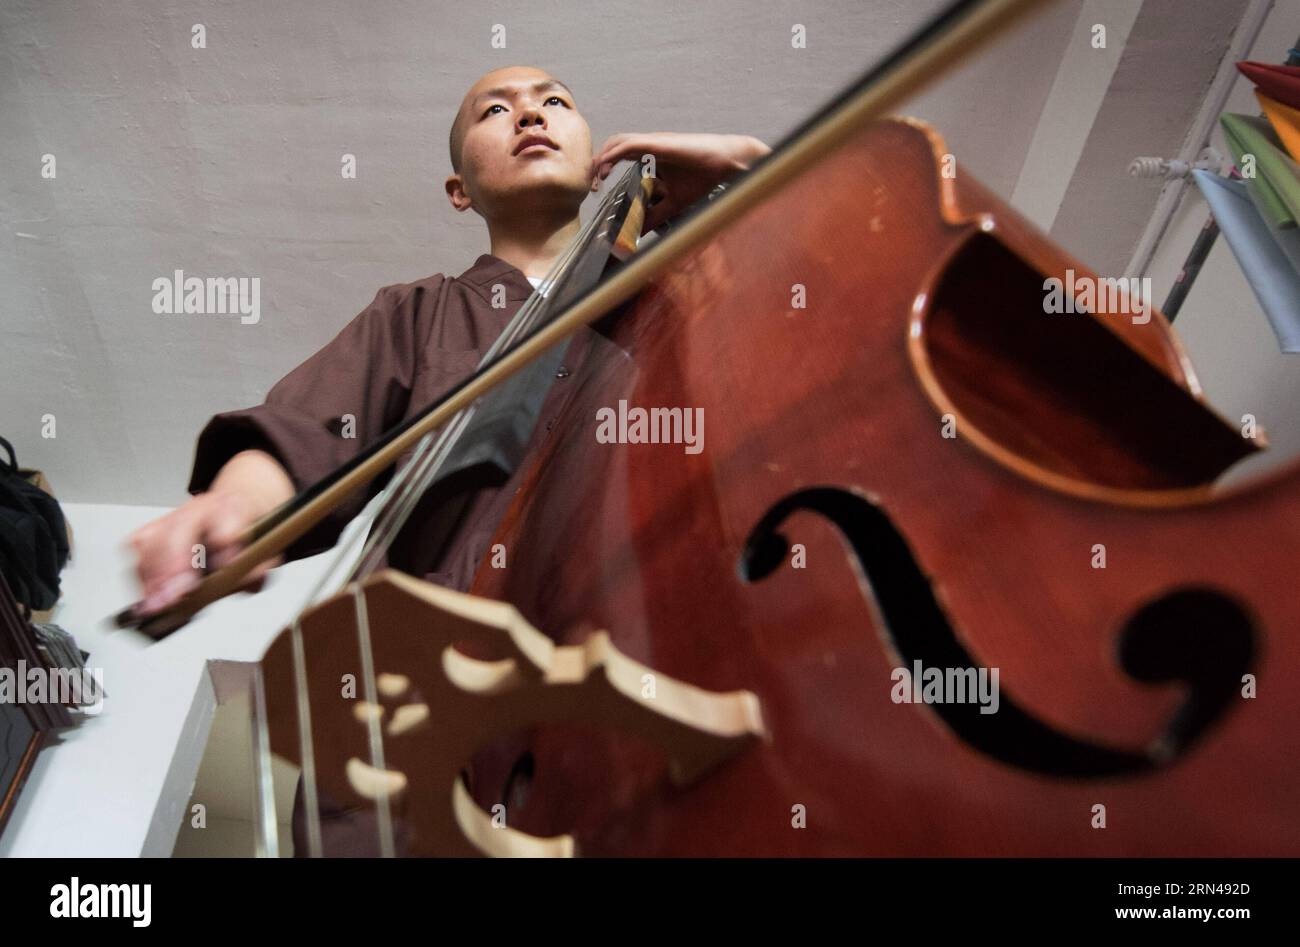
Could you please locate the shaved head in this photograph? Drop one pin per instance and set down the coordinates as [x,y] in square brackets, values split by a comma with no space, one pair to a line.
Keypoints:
[520,148]
[488,86]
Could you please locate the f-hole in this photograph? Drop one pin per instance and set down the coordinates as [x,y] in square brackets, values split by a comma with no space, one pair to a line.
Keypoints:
[518,782]
[1196,636]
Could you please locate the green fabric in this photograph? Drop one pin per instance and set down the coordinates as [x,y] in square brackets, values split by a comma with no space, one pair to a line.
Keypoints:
[1275,188]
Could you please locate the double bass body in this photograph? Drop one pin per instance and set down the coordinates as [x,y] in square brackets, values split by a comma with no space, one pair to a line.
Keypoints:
[834,530]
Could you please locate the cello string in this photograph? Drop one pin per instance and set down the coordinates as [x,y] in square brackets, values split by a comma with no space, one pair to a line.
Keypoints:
[387,842]
[332,577]
[397,512]
[344,567]
[306,748]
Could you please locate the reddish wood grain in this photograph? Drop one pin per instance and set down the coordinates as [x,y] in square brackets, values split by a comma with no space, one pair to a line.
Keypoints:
[645,540]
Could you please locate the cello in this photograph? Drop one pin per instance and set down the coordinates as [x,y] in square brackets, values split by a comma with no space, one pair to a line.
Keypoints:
[920,469]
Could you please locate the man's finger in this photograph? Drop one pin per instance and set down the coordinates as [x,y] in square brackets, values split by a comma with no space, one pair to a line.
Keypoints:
[168,551]
[612,141]
[631,146]
[169,591]
[224,527]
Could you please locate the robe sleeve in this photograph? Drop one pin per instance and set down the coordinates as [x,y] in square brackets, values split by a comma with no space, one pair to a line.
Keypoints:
[359,384]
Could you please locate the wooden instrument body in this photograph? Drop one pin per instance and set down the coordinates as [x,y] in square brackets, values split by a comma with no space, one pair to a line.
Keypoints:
[924,299]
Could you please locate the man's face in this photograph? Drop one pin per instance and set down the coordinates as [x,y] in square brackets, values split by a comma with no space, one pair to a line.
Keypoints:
[523,146]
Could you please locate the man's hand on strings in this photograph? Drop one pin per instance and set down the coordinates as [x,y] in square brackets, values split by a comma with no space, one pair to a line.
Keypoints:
[687,165]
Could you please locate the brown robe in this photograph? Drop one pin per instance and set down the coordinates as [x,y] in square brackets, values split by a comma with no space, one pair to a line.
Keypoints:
[410,345]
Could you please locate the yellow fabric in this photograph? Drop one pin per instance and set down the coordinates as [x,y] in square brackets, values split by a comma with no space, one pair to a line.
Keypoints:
[1285,121]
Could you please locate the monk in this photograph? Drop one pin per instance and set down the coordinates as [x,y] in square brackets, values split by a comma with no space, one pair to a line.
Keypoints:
[522,159]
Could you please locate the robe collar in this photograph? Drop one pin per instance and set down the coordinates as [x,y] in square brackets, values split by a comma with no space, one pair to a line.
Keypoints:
[488,269]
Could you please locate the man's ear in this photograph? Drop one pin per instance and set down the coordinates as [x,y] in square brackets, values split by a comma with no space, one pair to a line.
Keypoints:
[456,193]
